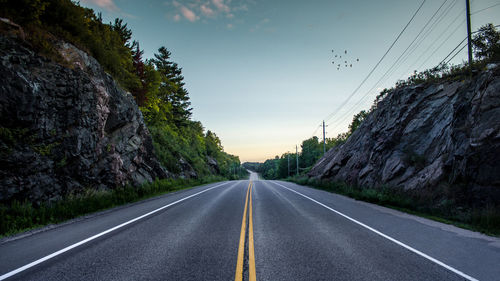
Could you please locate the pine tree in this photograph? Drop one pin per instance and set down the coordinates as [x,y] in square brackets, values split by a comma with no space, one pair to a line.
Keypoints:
[124,32]
[172,87]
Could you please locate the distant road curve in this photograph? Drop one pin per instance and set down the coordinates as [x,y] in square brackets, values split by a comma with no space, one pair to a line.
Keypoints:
[252,230]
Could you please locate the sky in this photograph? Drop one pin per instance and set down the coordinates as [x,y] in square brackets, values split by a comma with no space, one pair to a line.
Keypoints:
[260,75]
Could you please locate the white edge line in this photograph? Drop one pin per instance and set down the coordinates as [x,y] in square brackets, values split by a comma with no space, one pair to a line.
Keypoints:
[31,264]
[386,236]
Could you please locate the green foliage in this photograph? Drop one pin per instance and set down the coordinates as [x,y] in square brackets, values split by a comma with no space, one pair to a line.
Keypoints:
[195,147]
[312,150]
[486,43]
[253,166]
[269,169]
[26,11]
[19,216]
[357,120]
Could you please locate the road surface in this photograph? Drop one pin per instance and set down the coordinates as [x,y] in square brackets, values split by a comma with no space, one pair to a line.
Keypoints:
[251,230]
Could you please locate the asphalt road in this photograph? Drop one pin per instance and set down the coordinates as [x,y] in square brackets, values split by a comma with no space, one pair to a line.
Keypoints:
[290,232]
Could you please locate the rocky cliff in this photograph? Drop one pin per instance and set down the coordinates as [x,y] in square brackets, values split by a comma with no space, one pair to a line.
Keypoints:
[440,138]
[64,129]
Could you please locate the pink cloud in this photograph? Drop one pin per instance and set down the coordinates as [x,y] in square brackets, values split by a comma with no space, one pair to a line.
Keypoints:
[188,14]
[221,6]
[106,4]
[194,10]
[207,11]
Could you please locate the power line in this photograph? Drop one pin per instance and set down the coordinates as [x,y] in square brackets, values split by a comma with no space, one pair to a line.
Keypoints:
[415,39]
[429,31]
[442,43]
[378,63]
[478,11]
[453,51]
[463,47]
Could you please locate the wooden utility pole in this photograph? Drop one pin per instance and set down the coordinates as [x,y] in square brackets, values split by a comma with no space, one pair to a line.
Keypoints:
[469,39]
[297,157]
[324,140]
[288,164]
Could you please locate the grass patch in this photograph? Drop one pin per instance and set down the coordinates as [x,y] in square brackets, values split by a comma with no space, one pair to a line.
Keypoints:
[18,216]
[485,219]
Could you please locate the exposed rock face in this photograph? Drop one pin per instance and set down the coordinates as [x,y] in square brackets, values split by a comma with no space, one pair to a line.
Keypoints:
[64,129]
[424,136]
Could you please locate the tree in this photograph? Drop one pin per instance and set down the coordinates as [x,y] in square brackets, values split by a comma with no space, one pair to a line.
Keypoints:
[486,43]
[172,87]
[311,152]
[212,143]
[357,120]
[123,31]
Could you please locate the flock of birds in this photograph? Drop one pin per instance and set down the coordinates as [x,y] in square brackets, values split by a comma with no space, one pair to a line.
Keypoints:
[341,62]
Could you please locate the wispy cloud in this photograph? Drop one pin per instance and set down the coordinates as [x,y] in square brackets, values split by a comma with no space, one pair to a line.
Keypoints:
[207,11]
[187,13]
[193,10]
[221,6]
[105,4]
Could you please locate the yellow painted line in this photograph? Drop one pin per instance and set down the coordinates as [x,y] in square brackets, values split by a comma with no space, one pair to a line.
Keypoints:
[241,248]
[251,254]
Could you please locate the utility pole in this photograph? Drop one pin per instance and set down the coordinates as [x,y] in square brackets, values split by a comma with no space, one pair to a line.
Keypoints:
[288,164]
[297,156]
[469,39]
[324,140]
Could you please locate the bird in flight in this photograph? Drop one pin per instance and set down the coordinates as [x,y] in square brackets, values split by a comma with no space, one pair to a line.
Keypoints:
[348,61]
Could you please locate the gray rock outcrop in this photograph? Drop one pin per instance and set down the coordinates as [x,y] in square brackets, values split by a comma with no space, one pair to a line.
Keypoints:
[65,129]
[434,137]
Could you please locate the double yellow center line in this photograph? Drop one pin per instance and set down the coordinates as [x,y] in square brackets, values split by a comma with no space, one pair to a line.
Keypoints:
[241,248]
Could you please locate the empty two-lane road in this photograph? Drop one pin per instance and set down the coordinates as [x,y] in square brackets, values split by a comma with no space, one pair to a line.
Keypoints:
[251,230]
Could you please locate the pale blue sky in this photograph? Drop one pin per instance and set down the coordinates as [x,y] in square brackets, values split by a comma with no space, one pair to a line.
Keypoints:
[259,73]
